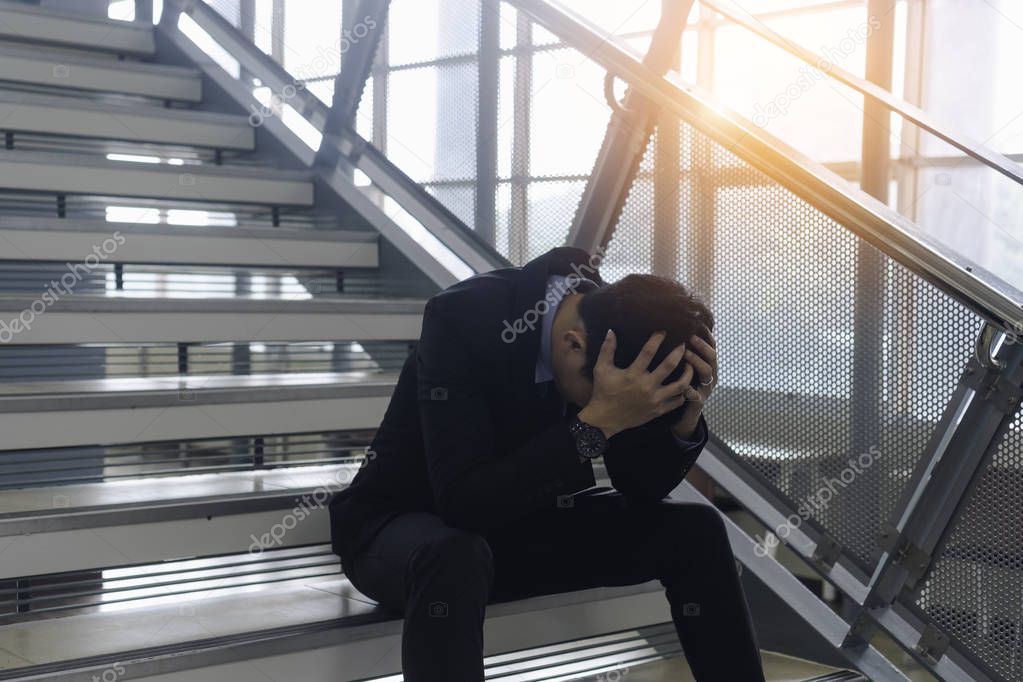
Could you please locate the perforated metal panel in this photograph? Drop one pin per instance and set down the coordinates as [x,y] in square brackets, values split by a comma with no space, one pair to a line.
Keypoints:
[975,591]
[836,362]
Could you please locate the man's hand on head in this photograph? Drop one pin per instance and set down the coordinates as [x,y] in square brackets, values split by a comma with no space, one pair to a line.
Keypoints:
[703,358]
[624,398]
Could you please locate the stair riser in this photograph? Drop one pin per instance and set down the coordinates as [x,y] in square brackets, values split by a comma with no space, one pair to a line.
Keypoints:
[115,124]
[187,418]
[56,327]
[110,36]
[298,251]
[67,74]
[142,180]
[144,543]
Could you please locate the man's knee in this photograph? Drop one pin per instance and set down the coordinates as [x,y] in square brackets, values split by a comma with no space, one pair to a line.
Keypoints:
[699,523]
[456,555]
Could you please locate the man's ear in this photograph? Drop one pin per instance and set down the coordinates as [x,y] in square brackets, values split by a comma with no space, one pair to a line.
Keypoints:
[575,340]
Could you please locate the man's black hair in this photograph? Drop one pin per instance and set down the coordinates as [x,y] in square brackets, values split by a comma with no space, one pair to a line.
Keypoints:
[637,306]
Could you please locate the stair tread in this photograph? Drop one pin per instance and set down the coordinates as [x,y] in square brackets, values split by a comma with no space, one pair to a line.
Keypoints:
[121,125]
[777,668]
[284,233]
[127,304]
[130,494]
[42,53]
[247,387]
[63,160]
[187,623]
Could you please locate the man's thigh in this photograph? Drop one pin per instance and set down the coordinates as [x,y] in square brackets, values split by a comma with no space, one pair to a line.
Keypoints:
[599,540]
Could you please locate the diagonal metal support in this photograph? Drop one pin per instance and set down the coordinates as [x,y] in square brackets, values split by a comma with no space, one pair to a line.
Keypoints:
[905,627]
[981,410]
[625,142]
[361,34]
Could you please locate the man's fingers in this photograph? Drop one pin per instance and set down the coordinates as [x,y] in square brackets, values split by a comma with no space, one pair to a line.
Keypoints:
[677,387]
[607,350]
[702,367]
[668,364]
[706,349]
[646,354]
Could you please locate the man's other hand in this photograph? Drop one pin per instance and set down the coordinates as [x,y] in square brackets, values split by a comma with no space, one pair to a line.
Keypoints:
[703,357]
[624,398]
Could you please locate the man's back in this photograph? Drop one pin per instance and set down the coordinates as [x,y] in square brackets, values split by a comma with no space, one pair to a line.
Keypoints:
[467,324]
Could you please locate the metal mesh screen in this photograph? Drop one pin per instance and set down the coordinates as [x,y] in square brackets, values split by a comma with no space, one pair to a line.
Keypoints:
[975,590]
[835,361]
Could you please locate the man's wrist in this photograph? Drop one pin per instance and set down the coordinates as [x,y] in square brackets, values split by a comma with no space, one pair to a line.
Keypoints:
[596,418]
[687,428]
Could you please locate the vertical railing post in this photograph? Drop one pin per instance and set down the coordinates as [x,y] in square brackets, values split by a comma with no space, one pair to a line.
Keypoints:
[488,79]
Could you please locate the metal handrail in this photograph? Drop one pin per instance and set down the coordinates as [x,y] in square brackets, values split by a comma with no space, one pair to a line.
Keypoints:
[862,214]
[915,115]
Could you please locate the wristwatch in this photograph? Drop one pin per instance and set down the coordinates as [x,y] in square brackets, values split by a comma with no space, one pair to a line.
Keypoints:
[589,440]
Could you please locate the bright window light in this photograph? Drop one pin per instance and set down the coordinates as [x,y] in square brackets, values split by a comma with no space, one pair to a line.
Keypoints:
[132,214]
[205,42]
[415,229]
[134,158]
[121,10]
[179,216]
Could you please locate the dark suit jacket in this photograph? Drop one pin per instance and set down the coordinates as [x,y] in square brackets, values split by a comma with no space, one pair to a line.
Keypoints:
[467,434]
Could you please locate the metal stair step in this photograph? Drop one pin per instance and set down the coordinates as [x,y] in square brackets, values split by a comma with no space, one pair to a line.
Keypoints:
[63,115]
[72,174]
[139,410]
[62,71]
[326,616]
[67,239]
[78,319]
[163,519]
[23,22]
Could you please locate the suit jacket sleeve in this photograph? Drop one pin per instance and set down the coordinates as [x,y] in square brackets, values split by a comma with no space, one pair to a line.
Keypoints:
[646,464]
[472,486]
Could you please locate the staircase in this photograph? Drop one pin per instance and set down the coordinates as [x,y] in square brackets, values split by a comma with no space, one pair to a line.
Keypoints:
[199,338]
[195,344]
[201,321]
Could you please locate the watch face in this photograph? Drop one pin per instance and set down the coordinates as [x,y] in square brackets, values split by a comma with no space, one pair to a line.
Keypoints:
[590,442]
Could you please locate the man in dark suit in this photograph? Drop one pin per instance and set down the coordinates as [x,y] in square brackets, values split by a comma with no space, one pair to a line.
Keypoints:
[481,488]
